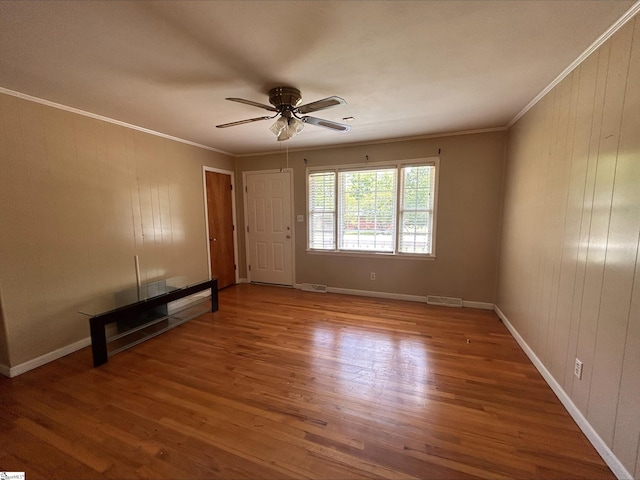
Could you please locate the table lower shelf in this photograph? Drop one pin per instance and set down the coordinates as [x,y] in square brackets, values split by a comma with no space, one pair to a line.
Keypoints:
[116,330]
[123,340]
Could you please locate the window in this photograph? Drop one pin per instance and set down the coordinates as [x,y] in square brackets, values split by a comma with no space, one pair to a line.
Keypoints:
[416,209]
[367,204]
[378,209]
[322,210]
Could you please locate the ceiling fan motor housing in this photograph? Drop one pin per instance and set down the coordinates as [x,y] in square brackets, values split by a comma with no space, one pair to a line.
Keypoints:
[285,98]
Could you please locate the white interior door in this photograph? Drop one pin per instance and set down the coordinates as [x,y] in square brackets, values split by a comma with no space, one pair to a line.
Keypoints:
[270,235]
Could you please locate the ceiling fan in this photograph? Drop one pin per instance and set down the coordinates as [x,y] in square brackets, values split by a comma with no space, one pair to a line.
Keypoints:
[292,118]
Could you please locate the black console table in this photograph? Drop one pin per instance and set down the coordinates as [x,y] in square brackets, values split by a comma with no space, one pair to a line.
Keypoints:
[131,317]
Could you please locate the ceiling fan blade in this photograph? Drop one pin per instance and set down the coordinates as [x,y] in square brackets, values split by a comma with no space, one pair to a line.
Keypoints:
[327,124]
[233,124]
[252,103]
[321,104]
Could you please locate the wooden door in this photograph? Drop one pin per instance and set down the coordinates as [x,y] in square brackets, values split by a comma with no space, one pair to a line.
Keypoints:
[220,219]
[269,238]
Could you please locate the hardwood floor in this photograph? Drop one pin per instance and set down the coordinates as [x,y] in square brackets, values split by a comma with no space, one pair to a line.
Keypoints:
[282,383]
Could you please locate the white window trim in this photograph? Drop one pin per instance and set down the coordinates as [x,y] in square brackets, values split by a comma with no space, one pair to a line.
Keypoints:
[434,161]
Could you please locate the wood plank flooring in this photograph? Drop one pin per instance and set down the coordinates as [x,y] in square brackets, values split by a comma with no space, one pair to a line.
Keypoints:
[282,383]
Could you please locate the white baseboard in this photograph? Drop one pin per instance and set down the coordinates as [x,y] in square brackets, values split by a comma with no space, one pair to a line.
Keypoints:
[61,352]
[370,293]
[396,296]
[599,444]
[46,358]
[480,305]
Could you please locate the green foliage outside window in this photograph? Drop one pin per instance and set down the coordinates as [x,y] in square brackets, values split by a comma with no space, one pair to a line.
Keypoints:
[387,209]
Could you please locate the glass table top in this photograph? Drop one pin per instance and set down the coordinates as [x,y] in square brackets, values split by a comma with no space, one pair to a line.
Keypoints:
[134,294]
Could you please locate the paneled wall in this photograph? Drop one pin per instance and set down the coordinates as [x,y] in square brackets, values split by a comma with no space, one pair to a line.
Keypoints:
[79,198]
[569,278]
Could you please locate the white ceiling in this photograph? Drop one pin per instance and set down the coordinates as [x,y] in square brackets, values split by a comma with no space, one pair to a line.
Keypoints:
[406,69]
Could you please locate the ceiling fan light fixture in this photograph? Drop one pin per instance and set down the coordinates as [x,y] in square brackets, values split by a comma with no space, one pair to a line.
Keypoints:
[286,128]
[279,125]
[284,135]
[296,125]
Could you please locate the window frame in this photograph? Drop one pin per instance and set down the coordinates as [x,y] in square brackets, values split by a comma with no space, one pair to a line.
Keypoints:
[334,211]
[398,165]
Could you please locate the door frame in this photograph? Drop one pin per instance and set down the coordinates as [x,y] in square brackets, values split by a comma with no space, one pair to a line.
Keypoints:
[231,174]
[246,218]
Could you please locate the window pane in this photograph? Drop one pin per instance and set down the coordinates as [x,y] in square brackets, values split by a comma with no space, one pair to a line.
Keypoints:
[322,206]
[322,231]
[367,210]
[415,232]
[416,209]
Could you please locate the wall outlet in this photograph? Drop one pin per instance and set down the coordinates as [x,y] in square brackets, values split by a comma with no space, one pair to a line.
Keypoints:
[300,218]
[373,275]
[578,369]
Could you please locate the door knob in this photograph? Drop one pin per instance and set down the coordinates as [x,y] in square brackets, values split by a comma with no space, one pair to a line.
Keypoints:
[288,236]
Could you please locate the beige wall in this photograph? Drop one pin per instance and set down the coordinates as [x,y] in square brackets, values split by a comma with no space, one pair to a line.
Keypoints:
[569,271]
[78,199]
[468,219]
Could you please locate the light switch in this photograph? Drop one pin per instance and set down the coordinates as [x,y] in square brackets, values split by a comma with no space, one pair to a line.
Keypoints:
[300,218]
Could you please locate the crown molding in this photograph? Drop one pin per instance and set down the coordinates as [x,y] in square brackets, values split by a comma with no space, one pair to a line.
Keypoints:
[84,113]
[378,142]
[628,15]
